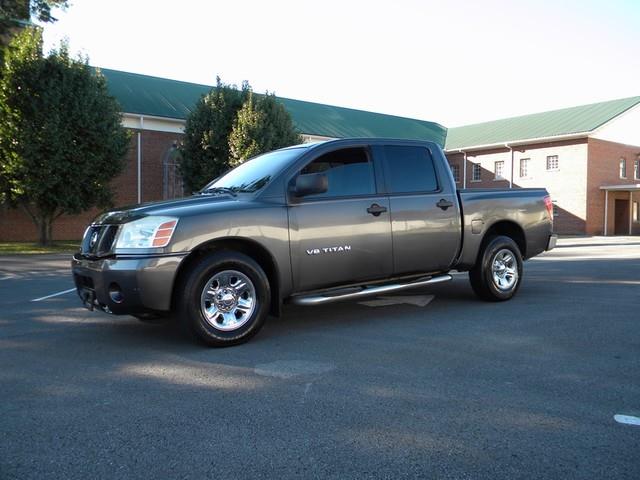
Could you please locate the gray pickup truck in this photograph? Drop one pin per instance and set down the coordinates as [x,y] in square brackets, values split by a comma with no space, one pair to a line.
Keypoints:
[308,224]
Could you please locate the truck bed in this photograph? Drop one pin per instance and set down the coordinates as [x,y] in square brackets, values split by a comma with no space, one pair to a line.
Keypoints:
[484,208]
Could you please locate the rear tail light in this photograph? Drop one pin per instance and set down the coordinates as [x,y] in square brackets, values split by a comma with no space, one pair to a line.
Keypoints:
[549,205]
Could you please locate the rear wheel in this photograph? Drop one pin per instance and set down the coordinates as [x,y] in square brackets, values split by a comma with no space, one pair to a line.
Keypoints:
[225,299]
[498,274]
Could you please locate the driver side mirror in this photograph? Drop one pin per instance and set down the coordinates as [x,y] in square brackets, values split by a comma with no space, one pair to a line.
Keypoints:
[310,184]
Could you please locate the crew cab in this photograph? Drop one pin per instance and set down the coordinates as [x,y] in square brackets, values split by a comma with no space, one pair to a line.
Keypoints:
[309,224]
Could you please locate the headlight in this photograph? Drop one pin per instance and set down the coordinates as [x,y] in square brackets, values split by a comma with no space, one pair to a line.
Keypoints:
[148,232]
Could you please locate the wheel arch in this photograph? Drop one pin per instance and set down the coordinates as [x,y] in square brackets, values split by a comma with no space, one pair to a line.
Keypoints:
[509,229]
[249,247]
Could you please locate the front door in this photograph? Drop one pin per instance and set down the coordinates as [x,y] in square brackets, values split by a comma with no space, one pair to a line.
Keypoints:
[622,217]
[343,235]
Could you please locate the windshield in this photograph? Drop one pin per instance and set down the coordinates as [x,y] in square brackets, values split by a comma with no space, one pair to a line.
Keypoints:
[255,173]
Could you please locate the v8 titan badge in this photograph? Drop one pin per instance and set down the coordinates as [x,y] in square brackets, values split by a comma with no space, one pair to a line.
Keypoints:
[319,251]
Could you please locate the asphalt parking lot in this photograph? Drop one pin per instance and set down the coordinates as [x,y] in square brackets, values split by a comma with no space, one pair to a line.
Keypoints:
[425,384]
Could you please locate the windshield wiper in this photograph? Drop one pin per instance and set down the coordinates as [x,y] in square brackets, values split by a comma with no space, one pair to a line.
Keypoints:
[214,190]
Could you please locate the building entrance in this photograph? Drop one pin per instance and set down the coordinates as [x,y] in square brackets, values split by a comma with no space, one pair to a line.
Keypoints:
[621,226]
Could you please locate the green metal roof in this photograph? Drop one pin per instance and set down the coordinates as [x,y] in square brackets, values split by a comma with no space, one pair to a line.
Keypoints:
[567,121]
[161,97]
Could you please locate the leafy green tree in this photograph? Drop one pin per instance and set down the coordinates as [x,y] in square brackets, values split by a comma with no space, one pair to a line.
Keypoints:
[261,125]
[278,128]
[61,136]
[246,132]
[205,148]
[16,14]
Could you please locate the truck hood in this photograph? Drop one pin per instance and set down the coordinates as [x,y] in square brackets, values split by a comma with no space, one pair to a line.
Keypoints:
[176,208]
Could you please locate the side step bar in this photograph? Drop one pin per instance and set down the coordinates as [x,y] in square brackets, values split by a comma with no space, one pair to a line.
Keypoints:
[349,293]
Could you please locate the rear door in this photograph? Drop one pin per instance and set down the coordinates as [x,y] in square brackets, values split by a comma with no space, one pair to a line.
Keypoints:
[343,235]
[425,216]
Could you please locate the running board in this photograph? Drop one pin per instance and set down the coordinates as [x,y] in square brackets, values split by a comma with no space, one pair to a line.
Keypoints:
[328,297]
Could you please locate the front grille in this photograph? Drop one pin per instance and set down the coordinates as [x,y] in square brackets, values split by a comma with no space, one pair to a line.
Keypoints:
[83,281]
[98,240]
[107,238]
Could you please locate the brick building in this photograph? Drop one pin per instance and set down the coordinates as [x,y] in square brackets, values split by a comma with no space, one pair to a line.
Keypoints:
[155,110]
[587,157]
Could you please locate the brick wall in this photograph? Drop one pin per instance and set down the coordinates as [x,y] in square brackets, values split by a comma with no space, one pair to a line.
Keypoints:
[604,169]
[15,225]
[584,166]
[566,184]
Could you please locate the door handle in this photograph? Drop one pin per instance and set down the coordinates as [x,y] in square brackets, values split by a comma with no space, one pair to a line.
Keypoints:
[376,210]
[444,204]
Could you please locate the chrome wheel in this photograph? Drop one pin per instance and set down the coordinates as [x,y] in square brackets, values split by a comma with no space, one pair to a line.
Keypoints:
[228,300]
[504,270]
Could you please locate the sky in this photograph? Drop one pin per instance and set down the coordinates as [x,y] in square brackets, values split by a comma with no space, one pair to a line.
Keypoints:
[452,62]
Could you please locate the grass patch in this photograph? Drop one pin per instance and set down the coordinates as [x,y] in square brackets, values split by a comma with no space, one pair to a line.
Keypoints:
[58,246]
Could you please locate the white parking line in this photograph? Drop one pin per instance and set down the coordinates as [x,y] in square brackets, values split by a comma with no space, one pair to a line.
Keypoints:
[54,295]
[627,419]
[574,258]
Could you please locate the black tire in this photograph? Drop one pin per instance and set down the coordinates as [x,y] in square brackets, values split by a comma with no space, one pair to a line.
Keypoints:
[194,299]
[507,257]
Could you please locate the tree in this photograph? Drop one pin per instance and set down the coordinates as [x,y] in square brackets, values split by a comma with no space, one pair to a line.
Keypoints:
[16,14]
[261,126]
[244,136]
[205,148]
[61,136]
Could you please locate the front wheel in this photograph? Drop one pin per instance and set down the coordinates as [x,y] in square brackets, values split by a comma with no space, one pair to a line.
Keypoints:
[498,273]
[226,299]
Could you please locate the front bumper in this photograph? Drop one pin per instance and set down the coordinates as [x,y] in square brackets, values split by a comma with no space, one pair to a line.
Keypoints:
[551,243]
[126,284]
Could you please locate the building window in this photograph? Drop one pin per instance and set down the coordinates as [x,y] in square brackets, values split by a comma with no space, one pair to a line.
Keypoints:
[636,169]
[499,169]
[552,162]
[623,168]
[524,167]
[455,169]
[477,172]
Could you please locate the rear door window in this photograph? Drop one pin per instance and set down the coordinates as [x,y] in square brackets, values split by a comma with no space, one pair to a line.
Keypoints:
[409,169]
[349,173]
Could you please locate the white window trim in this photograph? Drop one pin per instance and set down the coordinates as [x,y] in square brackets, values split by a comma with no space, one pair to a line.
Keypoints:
[622,163]
[557,168]
[473,179]
[497,178]
[458,179]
